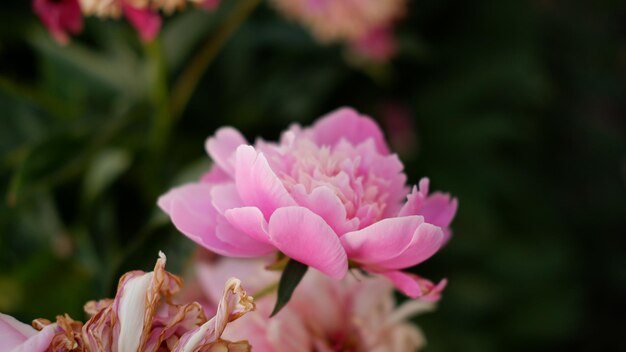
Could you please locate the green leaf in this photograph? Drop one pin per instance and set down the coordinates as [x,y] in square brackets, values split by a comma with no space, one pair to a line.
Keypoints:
[105,168]
[293,274]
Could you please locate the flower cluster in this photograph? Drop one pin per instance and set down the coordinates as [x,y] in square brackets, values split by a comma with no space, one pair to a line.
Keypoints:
[65,17]
[137,319]
[366,25]
[324,315]
[329,196]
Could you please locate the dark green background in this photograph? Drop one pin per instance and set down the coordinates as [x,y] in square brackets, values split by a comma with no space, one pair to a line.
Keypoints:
[519,110]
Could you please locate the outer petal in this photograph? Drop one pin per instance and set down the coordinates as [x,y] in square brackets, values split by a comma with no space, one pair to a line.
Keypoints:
[13,332]
[383,240]
[193,214]
[346,123]
[427,240]
[324,202]
[415,286]
[307,238]
[256,182]
[438,209]
[36,343]
[215,175]
[222,146]
[250,221]
[225,196]
[246,245]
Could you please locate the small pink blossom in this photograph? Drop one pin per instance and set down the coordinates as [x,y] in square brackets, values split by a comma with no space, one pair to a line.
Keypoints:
[322,195]
[378,45]
[324,315]
[141,317]
[146,21]
[61,17]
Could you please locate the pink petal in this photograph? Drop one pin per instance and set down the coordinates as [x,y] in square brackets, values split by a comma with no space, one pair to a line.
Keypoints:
[304,236]
[439,209]
[60,17]
[222,146]
[209,5]
[215,175]
[324,202]
[224,196]
[256,182]
[39,341]
[250,221]
[383,240]
[427,240]
[145,20]
[346,123]
[245,245]
[415,286]
[13,332]
[193,214]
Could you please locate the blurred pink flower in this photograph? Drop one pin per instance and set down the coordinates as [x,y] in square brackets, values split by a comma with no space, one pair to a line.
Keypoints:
[366,25]
[321,196]
[207,4]
[61,17]
[136,320]
[376,45]
[141,14]
[332,20]
[146,21]
[66,16]
[324,315]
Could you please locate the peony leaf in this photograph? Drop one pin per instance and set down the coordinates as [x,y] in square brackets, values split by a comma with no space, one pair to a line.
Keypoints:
[293,274]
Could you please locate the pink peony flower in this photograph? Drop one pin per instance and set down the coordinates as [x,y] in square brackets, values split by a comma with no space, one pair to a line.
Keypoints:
[323,195]
[61,17]
[136,320]
[325,315]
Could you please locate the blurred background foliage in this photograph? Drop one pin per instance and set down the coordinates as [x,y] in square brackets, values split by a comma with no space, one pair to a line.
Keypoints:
[517,108]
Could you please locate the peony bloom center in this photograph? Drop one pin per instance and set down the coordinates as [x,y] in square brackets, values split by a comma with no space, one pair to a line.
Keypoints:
[363,193]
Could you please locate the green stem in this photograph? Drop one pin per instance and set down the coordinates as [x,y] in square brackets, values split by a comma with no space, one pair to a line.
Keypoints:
[157,77]
[265,291]
[190,77]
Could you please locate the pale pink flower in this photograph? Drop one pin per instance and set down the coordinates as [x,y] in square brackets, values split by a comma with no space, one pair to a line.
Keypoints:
[364,24]
[61,17]
[321,196]
[332,20]
[324,315]
[137,319]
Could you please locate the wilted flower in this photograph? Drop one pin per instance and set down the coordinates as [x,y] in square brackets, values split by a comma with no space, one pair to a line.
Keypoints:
[364,24]
[325,315]
[61,17]
[321,196]
[136,320]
